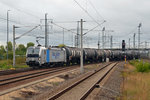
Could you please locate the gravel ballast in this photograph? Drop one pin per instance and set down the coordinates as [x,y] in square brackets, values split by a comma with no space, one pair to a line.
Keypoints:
[32,91]
[111,89]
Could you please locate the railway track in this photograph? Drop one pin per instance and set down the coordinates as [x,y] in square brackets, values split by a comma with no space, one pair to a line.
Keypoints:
[80,89]
[27,72]
[5,83]
[8,81]
[28,76]
[8,72]
[23,70]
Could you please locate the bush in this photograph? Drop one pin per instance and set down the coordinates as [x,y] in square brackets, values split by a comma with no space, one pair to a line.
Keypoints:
[141,66]
[20,63]
[5,65]
[134,62]
[1,57]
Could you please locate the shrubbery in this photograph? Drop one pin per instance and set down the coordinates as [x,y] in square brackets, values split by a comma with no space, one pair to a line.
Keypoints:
[141,66]
[20,63]
[20,56]
[4,64]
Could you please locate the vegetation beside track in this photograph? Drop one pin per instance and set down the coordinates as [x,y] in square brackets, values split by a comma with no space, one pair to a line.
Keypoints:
[136,83]
[20,56]
[141,66]
[20,63]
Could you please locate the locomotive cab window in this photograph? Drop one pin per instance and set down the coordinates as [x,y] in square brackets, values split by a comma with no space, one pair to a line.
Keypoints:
[33,52]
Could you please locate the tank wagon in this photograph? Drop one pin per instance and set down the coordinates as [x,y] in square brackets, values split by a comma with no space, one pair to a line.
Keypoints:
[41,56]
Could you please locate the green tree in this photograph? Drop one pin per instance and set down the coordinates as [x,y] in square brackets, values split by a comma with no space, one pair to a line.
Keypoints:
[2,52]
[10,55]
[21,49]
[30,44]
[9,46]
[2,49]
[61,45]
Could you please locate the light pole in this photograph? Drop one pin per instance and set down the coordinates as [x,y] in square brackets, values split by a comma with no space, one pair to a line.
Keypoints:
[81,45]
[63,36]
[139,32]
[77,34]
[111,42]
[81,57]
[103,37]
[46,29]
[46,45]
[129,43]
[134,41]
[14,45]
[98,40]
[7,31]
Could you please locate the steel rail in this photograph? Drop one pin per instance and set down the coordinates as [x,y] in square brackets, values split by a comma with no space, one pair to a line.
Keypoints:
[57,95]
[83,97]
[8,72]
[19,76]
[29,76]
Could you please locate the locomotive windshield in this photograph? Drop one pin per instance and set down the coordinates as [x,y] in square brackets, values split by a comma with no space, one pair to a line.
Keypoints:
[33,52]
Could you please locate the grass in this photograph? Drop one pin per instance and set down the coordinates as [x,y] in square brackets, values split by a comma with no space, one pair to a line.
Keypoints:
[136,84]
[20,63]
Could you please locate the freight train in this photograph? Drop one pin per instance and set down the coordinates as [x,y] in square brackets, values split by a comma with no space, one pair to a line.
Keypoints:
[41,56]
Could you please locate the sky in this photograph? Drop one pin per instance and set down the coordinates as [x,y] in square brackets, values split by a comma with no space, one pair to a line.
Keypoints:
[121,16]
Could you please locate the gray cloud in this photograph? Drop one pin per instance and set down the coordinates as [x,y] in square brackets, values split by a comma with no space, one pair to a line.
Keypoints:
[123,16]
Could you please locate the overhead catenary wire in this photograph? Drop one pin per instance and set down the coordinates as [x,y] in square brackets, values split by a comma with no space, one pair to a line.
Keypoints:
[91,21]
[131,32]
[64,28]
[22,25]
[20,10]
[14,22]
[10,21]
[92,29]
[96,9]
[86,12]
[27,32]
[59,25]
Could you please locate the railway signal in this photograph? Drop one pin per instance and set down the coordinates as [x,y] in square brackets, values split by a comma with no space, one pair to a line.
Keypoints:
[123,45]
